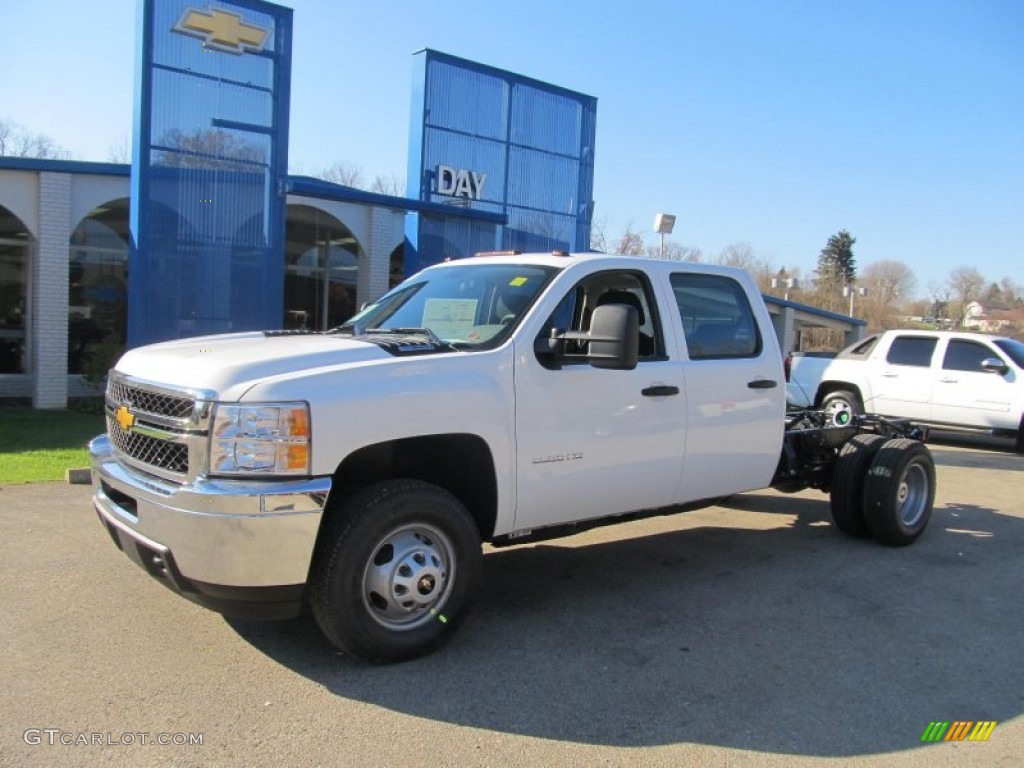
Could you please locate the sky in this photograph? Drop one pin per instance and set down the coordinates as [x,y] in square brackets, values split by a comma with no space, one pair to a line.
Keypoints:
[774,124]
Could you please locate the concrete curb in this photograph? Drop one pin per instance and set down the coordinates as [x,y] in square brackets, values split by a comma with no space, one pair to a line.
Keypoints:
[78,476]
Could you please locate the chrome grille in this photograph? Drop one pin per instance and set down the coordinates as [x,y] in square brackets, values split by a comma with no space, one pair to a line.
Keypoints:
[163,454]
[145,401]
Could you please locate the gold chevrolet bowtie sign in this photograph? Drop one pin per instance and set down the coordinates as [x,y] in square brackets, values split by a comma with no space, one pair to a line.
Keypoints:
[124,418]
[223,31]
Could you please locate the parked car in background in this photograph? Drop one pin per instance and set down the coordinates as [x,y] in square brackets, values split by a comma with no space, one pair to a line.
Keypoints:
[950,380]
[803,374]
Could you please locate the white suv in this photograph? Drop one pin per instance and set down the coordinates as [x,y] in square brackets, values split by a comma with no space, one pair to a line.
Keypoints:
[951,380]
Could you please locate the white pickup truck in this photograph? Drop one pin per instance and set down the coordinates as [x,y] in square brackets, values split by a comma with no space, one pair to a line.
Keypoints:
[501,399]
[950,380]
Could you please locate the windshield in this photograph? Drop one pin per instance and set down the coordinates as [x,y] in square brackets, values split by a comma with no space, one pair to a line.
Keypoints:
[475,306]
[1013,349]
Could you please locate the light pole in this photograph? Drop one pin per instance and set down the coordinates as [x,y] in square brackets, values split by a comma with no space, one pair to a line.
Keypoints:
[790,284]
[663,224]
[851,291]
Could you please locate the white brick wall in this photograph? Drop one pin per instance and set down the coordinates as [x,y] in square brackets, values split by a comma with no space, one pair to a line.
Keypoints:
[49,289]
[386,232]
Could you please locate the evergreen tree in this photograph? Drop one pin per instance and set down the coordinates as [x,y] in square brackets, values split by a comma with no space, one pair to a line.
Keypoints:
[836,264]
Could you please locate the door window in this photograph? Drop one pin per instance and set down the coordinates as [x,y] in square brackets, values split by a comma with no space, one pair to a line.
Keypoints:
[573,313]
[717,319]
[911,350]
[966,356]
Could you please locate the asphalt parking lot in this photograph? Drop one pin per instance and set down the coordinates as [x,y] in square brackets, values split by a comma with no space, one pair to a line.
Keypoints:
[752,634]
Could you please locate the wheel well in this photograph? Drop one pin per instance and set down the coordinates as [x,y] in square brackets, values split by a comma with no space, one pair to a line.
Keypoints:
[459,463]
[834,386]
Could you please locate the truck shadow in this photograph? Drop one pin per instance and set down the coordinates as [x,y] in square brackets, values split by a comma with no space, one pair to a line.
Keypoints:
[782,637]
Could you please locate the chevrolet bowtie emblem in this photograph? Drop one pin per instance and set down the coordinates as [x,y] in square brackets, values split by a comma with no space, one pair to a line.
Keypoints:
[223,31]
[124,418]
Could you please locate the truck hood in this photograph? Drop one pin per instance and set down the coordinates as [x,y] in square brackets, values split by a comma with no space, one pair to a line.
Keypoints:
[228,364]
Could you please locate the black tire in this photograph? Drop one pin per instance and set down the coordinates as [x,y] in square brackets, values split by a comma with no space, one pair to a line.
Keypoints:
[899,492]
[396,571]
[1019,442]
[841,404]
[847,493]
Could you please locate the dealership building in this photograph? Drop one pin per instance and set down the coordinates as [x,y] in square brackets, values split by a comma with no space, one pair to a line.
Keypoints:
[206,232]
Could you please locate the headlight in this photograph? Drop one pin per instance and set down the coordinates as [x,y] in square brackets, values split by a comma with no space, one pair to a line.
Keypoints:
[270,438]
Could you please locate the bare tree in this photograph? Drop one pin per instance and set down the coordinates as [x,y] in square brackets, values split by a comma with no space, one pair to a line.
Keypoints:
[598,243]
[212,148]
[966,284]
[890,286]
[675,252]
[343,173]
[738,255]
[892,282]
[121,152]
[1013,293]
[388,185]
[742,256]
[16,141]
[631,243]
[941,295]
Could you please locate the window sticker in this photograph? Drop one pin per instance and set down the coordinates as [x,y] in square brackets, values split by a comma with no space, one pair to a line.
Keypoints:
[450,318]
[516,282]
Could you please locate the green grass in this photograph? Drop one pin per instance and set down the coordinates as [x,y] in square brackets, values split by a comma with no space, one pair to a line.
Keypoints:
[37,446]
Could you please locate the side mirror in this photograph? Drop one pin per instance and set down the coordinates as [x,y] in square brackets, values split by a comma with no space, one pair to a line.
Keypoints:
[614,337]
[994,365]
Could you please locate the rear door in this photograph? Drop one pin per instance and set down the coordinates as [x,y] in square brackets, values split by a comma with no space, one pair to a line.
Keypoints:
[905,376]
[735,391]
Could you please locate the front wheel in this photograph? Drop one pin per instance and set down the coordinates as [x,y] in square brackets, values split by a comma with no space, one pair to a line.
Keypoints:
[899,492]
[396,571]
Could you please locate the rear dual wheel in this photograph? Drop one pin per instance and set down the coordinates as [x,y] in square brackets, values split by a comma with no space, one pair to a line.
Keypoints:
[899,492]
[883,488]
[847,493]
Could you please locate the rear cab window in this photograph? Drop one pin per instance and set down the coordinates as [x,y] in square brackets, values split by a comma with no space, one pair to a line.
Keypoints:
[717,319]
[911,350]
[860,349]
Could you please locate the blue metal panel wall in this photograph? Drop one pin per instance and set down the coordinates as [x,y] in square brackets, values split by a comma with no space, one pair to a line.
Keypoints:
[533,141]
[211,139]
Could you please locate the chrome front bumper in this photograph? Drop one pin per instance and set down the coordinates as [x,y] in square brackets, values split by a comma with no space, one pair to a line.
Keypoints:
[240,547]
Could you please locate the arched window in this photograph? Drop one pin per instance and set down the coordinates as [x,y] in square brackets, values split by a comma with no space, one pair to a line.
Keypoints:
[98,288]
[322,259]
[15,244]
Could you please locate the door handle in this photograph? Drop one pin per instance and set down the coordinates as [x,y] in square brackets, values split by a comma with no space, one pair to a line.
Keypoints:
[762,384]
[659,390]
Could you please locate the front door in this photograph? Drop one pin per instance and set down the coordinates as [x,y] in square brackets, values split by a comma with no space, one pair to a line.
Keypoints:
[594,442]
[965,394]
